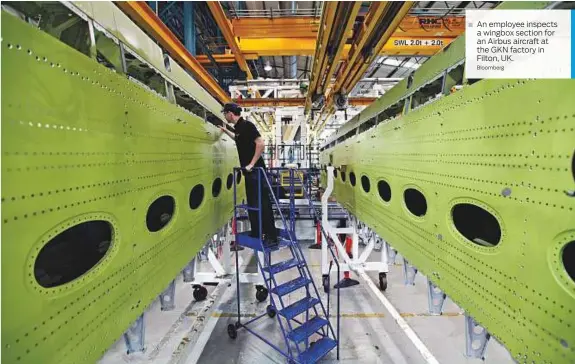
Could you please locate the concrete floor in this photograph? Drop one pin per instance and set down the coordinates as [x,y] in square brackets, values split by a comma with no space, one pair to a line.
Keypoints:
[368,332]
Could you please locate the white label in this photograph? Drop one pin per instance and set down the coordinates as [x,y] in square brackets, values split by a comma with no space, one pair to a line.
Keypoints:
[518,44]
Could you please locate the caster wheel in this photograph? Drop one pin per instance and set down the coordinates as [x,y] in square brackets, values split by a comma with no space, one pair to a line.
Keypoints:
[232,331]
[271,311]
[200,293]
[325,282]
[383,281]
[261,293]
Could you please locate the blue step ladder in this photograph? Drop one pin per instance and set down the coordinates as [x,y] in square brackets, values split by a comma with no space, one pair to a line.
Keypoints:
[298,321]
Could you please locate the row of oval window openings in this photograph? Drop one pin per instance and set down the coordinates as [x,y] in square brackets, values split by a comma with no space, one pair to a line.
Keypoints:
[473,222]
[63,260]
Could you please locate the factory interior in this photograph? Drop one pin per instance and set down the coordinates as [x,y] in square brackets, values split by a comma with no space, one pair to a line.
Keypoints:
[422,217]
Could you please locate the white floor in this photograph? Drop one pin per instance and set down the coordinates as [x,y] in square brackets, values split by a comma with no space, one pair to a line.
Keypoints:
[197,331]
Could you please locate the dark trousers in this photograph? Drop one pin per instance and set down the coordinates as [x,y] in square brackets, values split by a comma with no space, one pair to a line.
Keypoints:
[268,221]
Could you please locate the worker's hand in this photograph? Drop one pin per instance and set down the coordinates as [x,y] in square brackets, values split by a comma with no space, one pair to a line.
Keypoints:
[249,167]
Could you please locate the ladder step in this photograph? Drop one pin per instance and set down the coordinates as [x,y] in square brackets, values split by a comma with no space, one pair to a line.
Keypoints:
[280,267]
[290,286]
[244,239]
[318,350]
[307,329]
[298,307]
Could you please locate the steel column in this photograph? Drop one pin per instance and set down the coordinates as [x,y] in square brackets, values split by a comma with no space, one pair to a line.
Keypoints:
[189,27]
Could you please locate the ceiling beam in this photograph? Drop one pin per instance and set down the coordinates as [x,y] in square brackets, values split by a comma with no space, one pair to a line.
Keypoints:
[228,32]
[395,46]
[224,58]
[276,27]
[306,27]
[146,19]
[320,46]
[348,18]
[295,101]
[367,59]
[368,46]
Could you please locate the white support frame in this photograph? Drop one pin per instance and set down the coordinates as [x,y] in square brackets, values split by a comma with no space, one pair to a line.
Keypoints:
[221,271]
[358,263]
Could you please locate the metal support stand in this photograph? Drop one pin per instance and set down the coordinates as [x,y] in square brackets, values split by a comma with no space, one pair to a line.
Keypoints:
[168,296]
[476,339]
[391,253]
[189,271]
[354,261]
[436,297]
[409,272]
[134,336]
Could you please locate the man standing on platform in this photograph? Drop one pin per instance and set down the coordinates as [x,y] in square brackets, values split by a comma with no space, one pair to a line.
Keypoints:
[250,146]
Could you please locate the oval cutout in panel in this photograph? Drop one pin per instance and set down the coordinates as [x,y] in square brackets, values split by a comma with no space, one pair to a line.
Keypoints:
[573,166]
[230,181]
[415,202]
[352,178]
[160,213]
[343,176]
[365,183]
[384,190]
[72,253]
[238,177]
[216,187]
[568,256]
[196,196]
[335,173]
[476,224]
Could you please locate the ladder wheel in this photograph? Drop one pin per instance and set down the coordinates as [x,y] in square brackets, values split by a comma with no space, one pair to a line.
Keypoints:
[383,281]
[200,293]
[271,311]
[325,282]
[232,331]
[261,293]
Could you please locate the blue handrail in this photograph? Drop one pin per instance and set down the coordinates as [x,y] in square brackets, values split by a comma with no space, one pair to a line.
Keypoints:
[296,250]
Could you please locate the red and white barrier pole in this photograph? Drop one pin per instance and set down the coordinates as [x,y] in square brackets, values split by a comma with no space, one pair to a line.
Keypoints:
[317,244]
[347,281]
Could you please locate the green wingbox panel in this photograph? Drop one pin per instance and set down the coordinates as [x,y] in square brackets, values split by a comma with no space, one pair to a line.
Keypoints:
[507,147]
[81,143]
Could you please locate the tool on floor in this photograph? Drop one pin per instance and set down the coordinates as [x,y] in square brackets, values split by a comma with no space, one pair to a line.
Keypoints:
[306,317]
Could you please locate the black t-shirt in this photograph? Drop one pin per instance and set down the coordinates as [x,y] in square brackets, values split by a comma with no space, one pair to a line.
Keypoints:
[246,135]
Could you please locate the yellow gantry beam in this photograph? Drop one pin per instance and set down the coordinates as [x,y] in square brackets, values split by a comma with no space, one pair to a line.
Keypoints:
[395,46]
[296,101]
[145,17]
[283,27]
[307,27]
[228,32]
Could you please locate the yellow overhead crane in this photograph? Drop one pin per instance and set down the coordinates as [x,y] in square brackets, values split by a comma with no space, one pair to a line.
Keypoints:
[297,36]
[250,38]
